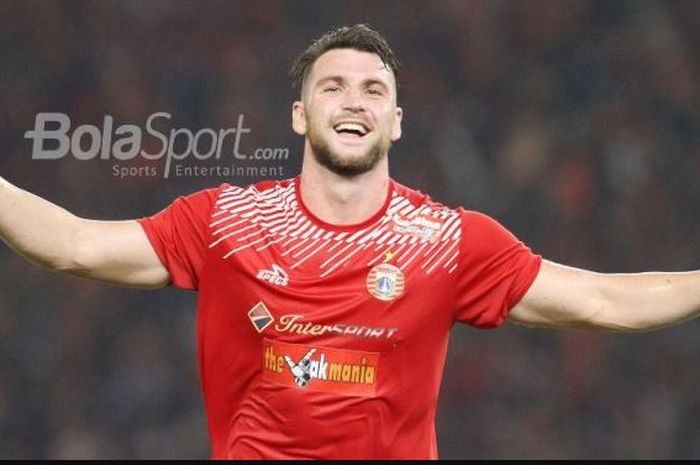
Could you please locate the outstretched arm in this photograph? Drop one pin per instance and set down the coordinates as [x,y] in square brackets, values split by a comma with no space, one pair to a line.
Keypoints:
[116,252]
[565,297]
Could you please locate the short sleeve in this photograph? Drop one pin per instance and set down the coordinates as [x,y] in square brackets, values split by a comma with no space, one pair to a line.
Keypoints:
[179,235]
[494,273]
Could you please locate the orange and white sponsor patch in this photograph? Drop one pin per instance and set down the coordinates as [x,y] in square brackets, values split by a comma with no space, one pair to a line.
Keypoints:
[319,368]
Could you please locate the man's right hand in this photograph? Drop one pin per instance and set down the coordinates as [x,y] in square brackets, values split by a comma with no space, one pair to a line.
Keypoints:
[116,252]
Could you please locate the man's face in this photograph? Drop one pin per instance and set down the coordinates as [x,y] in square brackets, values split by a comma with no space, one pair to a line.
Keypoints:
[348,113]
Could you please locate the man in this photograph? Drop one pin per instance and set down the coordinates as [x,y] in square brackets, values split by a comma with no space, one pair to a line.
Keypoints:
[325,301]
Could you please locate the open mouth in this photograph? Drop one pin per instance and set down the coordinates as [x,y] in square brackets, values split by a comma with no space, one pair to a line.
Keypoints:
[354,129]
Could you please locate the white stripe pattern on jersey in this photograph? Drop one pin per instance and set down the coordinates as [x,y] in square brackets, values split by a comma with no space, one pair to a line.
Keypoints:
[250,218]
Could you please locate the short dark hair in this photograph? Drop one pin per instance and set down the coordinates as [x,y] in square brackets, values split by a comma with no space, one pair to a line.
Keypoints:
[359,37]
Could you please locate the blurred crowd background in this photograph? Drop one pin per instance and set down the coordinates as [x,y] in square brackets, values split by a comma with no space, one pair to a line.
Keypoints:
[576,123]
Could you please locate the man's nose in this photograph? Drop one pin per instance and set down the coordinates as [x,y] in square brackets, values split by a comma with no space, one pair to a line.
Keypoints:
[354,101]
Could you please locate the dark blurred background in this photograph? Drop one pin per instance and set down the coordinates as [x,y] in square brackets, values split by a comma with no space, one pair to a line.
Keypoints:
[575,123]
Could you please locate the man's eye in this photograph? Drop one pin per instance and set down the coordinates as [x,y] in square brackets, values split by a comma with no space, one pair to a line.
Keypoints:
[374,91]
[332,89]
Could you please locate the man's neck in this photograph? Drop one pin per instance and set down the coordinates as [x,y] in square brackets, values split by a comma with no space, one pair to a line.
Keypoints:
[342,201]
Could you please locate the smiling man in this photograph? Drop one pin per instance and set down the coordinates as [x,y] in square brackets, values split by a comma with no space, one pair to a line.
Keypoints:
[350,95]
[326,301]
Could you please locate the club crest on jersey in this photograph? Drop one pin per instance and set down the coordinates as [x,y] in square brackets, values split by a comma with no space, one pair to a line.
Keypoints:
[276,276]
[385,282]
[260,316]
[421,226]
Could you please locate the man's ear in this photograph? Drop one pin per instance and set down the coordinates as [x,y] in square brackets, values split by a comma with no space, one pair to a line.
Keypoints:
[299,118]
[396,127]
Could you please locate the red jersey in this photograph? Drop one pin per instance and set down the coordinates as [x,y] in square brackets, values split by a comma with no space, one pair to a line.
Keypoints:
[323,341]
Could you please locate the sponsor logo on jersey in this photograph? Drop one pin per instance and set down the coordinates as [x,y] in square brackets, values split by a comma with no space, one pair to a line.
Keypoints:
[385,282]
[276,276]
[295,324]
[260,316]
[320,368]
[421,226]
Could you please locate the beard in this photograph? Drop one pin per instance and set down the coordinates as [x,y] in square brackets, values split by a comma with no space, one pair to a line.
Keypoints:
[346,167]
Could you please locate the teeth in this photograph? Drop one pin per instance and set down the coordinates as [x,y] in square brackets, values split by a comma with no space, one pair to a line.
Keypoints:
[351,127]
